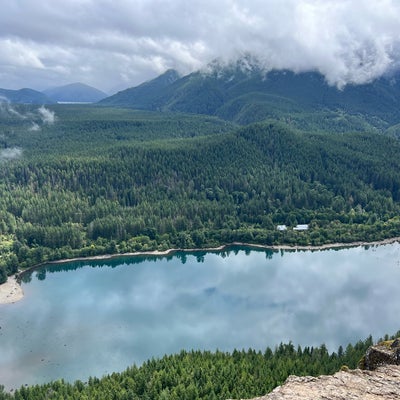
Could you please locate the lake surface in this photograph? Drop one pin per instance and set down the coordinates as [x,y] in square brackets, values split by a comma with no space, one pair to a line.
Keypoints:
[92,318]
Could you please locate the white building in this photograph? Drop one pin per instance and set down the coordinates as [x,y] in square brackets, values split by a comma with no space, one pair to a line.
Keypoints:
[301,227]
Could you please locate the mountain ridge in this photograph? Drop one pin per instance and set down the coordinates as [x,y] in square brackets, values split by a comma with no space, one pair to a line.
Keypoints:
[25,96]
[75,92]
[247,94]
[143,96]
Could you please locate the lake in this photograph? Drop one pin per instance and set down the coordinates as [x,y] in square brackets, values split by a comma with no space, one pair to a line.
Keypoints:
[88,318]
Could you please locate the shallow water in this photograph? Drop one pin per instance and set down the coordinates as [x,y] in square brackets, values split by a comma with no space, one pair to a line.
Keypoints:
[89,318]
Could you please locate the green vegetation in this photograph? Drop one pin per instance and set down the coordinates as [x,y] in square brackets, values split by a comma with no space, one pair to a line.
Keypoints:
[203,375]
[244,93]
[86,180]
[114,181]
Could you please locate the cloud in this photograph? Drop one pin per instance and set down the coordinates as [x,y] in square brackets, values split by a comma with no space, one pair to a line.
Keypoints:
[47,116]
[7,108]
[122,43]
[10,153]
[34,127]
[33,119]
[16,53]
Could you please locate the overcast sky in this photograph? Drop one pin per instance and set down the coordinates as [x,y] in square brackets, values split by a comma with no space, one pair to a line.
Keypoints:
[114,44]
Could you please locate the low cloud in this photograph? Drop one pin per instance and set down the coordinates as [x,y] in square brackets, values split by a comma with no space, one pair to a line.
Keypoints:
[11,153]
[42,115]
[34,120]
[122,43]
[8,109]
[47,116]
[34,127]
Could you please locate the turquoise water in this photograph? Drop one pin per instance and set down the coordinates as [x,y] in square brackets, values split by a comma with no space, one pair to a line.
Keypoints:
[90,318]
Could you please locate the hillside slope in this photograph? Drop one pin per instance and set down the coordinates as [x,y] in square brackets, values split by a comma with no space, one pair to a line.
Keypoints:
[247,94]
[24,96]
[144,96]
[75,92]
[137,187]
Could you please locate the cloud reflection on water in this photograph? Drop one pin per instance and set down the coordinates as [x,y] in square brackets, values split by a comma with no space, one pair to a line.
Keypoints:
[96,320]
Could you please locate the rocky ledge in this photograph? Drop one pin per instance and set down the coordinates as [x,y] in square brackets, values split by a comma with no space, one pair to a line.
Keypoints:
[378,379]
[384,353]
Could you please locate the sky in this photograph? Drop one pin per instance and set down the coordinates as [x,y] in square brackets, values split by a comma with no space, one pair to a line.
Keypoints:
[115,44]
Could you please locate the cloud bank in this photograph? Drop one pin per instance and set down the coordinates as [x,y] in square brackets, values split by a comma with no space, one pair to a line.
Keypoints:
[120,43]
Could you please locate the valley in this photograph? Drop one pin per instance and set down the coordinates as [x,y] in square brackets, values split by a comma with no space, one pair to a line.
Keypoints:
[92,180]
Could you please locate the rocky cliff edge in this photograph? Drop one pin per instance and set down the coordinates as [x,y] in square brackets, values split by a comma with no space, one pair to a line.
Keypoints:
[377,378]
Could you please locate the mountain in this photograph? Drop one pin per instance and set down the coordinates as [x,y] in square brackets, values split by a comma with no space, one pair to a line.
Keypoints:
[25,96]
[244,93]
[75,92]
[144,96]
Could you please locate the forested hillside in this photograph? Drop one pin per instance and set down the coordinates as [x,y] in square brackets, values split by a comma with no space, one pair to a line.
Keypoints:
[82,181]
[244,92]
[89,180]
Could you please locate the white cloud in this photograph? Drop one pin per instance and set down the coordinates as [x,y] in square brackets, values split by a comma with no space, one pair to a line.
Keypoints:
[107,43]
[7,108]
[10,153]
[19,54]
[48,116]
[34,127]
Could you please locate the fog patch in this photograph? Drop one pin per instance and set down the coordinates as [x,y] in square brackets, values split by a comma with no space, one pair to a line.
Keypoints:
[8,109]
[36,118]
[11,153]
[34,127]
[47,116]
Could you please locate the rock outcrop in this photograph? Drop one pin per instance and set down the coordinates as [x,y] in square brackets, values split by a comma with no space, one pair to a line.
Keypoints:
[378,380]
[383,353]
[381,384]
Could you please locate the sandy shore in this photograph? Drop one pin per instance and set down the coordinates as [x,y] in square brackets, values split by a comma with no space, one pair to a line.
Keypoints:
[11,291]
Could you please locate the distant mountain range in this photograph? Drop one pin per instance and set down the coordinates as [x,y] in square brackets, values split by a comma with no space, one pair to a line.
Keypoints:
[24,96]
[76,93]
[73,93]
[244,93]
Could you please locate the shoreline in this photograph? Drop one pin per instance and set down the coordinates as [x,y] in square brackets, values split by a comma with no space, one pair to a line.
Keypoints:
[11,291]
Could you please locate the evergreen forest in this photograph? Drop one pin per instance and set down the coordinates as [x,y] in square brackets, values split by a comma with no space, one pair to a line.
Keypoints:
[88,180]
[84,180]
